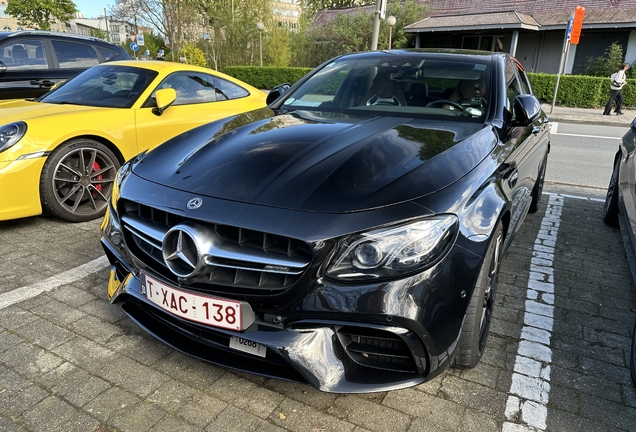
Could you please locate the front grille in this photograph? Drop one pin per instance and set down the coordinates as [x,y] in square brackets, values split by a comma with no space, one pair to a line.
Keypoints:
[240,261]
[376,348]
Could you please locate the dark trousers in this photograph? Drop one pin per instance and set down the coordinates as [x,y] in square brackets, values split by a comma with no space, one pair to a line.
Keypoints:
[618,95]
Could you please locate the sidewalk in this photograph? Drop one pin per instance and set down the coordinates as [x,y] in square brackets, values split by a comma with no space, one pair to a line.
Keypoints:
[588,116]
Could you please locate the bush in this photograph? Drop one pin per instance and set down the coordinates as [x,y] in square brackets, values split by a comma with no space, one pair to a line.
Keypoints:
[579,90]
[266,77]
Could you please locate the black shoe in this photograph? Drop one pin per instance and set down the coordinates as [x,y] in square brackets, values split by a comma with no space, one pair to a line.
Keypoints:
[605,113]
[620,113]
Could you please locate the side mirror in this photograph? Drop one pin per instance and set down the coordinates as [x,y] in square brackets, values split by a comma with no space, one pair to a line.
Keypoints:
[276,92]
[633,125]
[165,98]
[527,109]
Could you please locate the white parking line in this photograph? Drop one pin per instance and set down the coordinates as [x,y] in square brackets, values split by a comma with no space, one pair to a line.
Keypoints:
[72,275]
[527,405]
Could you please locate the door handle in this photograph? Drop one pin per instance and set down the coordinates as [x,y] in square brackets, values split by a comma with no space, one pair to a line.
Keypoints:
[42,83]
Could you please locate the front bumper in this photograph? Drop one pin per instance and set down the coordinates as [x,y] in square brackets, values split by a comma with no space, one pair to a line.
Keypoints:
[409,327]
[20,186]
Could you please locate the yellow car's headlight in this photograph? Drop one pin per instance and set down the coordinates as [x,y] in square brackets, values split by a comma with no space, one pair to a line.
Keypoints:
[11,133]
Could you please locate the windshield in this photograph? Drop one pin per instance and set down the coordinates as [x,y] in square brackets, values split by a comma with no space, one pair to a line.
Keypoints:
[108,86]
[408,84]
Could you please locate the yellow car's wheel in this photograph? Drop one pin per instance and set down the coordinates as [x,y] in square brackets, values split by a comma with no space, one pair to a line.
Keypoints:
[77,180]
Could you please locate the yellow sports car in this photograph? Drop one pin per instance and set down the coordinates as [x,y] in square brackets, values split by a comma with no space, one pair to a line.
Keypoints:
[60,153]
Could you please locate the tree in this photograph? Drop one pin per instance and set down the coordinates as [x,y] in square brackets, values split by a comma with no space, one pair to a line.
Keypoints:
[606,64]
[310,7]
[41,14]
[352,31]
[193,55]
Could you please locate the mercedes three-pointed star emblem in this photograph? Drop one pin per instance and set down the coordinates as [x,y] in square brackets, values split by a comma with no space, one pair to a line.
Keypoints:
[180,252]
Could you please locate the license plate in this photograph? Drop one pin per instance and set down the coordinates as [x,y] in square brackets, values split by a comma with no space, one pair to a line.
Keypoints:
[212,311]
[248,346]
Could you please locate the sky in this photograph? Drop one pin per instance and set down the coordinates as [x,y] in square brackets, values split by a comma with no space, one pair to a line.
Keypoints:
[93,8]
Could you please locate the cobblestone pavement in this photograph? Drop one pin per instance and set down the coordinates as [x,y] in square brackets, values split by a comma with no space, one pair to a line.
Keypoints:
[69,361]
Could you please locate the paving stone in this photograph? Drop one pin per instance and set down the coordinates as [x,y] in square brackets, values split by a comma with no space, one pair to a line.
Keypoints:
[143,348]
[14,317]
[53,414]
[296,416]
[612,414]
[140,418]
[483,374]
[188,370]
[476,421]
[369,415]
[57,312]
[112,402]
[103,310]
[200,409]
[172,424]
[44,333]
[72,296]
[245,395]
[78,386]
[565,422]
[303,393]
[474,395]
[8,341]
[28,360]
[132,376]
[7,425]
[236,420]
[586,384]
[86,353]
[564,399]
[172,395]
[95,329]
[432,413]
[18,400]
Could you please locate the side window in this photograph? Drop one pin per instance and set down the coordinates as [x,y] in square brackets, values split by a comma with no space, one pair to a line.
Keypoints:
[24,54]
[525,84]
[108,54]
[513,87]
[226,90]
[191,87]
[74,55]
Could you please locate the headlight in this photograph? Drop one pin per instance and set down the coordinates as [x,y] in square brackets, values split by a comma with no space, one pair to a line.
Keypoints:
[122,173]
[393,251]
[11,134]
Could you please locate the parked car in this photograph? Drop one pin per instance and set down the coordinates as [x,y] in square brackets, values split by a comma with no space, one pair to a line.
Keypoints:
[620,207]
[60,153]
[348,235]
[32,61]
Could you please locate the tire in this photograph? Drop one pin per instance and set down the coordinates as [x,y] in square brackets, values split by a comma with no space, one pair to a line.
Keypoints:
[610,209]
[472,341]
[537,190]
[77,180]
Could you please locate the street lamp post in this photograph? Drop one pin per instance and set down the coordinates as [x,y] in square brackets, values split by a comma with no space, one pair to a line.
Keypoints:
[391,22]
[260,27]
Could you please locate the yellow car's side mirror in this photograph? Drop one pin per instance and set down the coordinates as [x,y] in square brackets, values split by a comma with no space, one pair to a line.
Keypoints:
[165,98]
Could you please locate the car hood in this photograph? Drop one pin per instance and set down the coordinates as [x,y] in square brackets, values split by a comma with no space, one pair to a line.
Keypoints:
[27,109]
[318,161]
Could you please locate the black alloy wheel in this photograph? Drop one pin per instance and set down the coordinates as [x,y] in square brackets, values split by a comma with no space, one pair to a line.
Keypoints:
[610,209]
[537,191]
[472,341]
[77,180]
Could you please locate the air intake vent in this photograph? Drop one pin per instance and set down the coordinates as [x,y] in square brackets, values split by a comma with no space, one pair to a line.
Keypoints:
[376,348]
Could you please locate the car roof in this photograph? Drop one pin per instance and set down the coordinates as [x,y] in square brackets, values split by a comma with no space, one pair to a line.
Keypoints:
[36,33]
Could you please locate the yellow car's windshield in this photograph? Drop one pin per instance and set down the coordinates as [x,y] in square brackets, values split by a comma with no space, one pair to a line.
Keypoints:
[108,86]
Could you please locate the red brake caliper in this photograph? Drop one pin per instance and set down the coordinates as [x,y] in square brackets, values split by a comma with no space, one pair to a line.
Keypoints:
[96,168]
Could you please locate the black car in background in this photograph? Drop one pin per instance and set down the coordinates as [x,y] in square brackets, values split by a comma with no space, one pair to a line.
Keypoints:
[32,61]
[620,207]
[348,235]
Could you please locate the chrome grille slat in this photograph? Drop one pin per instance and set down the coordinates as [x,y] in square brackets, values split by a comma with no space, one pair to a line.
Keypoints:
[239,260]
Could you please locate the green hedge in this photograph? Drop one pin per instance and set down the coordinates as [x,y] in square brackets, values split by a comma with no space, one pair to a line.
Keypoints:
[579,90]
[574,90]
[266,77]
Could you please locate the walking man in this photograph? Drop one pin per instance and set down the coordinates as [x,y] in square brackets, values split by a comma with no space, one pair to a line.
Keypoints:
[618,81]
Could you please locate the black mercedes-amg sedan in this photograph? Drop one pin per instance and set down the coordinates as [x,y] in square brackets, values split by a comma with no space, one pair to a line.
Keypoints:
[348,235]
